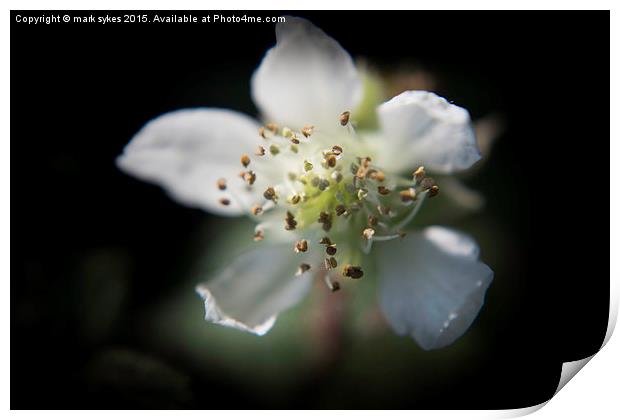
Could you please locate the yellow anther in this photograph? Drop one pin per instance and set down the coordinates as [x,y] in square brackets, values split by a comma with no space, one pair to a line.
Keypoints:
[307,130]
[256,209]
[368,233]
[245,160]
[221,183]
[407,195]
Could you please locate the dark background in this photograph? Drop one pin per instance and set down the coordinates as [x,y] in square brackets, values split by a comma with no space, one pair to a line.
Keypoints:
[78,94]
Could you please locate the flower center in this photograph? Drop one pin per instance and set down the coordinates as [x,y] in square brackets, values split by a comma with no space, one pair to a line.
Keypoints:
[330,193]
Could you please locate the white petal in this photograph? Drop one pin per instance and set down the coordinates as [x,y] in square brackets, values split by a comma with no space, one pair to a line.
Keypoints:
[433,285]
[187,151]
[306,79]
[421,128]
[249,294]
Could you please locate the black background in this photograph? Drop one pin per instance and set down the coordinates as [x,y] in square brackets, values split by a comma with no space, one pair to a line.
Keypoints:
[79,92]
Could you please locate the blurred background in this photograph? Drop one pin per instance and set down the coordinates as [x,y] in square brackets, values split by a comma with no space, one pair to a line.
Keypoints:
[103,267]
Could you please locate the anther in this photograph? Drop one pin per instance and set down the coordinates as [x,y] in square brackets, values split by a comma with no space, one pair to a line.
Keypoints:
[294,140]
[407,195]
[427,183]
[326,219]
[274,149]
[331,161]
[368,233]
[245,160]
[383,190]
[270,194]
[291,223]
[221,183]
[330,263]
[315,181]
[323,184]
[307,130]
[224,201]
[362,193]
[256,209]
[308,166]
[286,132]
[355,272]
[433,191]
[340,210]
[272,127]
[260,151]
[331,250]
[303,267]
[337,150]
[294,199]
[383,210]
[373,220]
[294,148]
[333,286]
[301,246]
[337,176]
[344,118]
[250,177]
[261,132]
[325,241]
[376,175]
[354,168]
[258,235]
[419,173]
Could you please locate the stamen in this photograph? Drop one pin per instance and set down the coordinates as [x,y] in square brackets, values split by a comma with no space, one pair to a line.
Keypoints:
[307,130]
[286,132]
[308,166]
[340,210]
[245,160]
[434,190]
[355,272]
[256,209]
[294,148]
[419,173]
[224,201]
[303,267]
[383,190]
[291,223]
[294,199]
[270,194]
[260,151]
[331,249]
[337,176]
[221,184]
[274,149]
[334,286]
[368,233]
[301,246]
[373,220]
[326,219]
[261,132]
[331,161]
[249,177]
[272,127]
[258,236]
[376,175]
[295,140]
[337,150]
[344,118]
[325,241]
[408,195]
[323,184]
[427,183]
[330,263]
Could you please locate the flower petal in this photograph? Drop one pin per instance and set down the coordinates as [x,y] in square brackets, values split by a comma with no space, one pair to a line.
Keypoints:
[187,151]
[433,285]
[306,79]
[421,128]
[249,294]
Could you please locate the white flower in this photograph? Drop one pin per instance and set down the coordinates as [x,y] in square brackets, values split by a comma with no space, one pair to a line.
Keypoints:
[322,193]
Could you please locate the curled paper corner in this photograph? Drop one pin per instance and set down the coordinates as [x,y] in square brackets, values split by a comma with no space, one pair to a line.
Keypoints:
[570,369]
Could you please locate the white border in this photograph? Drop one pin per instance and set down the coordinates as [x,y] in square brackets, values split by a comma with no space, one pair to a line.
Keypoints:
[593,394]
